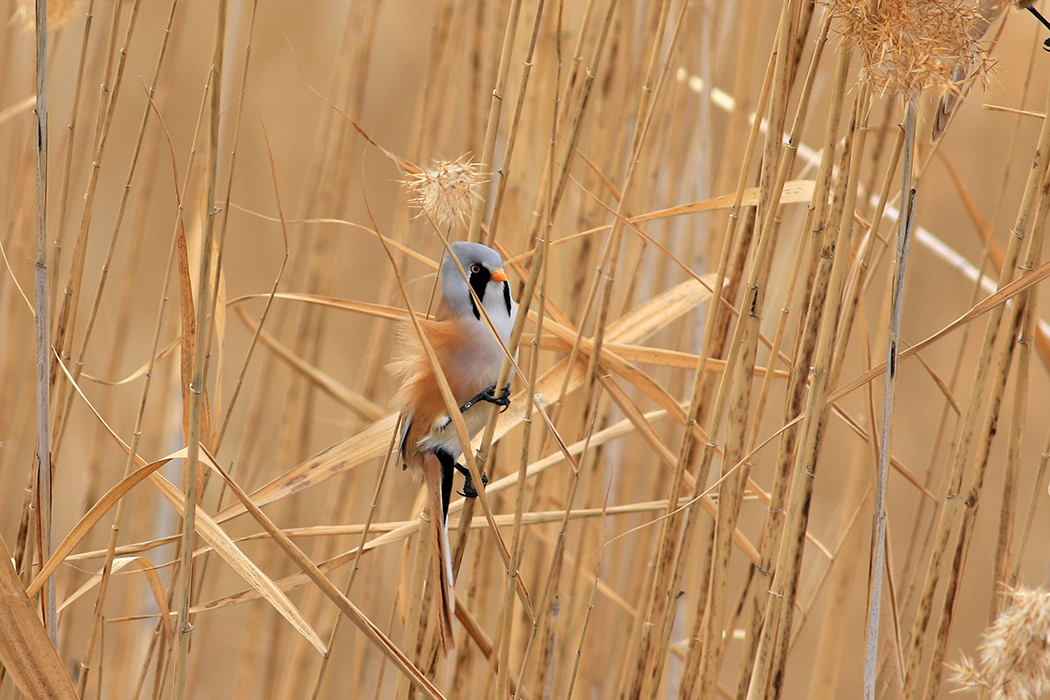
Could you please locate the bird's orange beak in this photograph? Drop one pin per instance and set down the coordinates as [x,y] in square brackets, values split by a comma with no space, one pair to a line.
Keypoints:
[499,276]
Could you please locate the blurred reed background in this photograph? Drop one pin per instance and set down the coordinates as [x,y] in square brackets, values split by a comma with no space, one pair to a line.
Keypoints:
[625,171]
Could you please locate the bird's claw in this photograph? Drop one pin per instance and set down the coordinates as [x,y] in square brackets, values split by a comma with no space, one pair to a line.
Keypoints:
[503,400]
[468,486]
[489,396]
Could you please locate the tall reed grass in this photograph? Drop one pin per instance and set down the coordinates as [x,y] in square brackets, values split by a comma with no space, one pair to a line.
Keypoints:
[687,498]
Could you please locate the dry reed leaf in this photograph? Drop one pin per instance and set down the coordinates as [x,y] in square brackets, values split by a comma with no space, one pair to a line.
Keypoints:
[25,650]
[795,192]
[188,317]
[90,519]
[401,531]
[341,393]
[214,535]
[141,371]
[401,247]
[620,429]
[160,596]
[219,321]
[477,523]
[391,313]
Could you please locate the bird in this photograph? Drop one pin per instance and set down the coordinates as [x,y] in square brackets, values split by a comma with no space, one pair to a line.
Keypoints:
[470,357]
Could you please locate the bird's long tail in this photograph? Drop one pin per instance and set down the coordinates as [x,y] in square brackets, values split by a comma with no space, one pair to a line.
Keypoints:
[442,555]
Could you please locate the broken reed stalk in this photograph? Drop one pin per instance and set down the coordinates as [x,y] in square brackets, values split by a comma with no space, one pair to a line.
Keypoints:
[43,338]
[191,467]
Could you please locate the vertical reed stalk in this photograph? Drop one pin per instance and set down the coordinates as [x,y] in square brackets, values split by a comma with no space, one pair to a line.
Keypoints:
[190,470]
[900,262]
[43,338]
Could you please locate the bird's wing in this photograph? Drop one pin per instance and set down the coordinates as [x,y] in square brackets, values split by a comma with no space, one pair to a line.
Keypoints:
[406,425]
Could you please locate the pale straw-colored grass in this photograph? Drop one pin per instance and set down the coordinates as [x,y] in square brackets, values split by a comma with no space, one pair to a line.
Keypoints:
[698,206]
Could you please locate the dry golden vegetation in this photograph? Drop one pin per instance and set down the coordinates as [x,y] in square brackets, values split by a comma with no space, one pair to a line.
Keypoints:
[685,497]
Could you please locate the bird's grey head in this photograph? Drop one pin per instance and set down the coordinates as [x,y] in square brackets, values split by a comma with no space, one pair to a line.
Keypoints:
[484,269]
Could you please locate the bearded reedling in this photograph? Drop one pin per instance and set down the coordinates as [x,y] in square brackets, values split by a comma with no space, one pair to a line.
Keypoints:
[470,357]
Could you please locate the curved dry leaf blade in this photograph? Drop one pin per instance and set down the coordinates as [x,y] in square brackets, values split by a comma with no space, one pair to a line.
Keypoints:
[795,192]
[366,444]
[391,313]
[214,535]
[188,319]
[645,320]
[617,430]
[90,519]
[224,546]
[401,247]
[220,336]
[344,395]
[141,371]
[601,437]
[148,569]
[25,650]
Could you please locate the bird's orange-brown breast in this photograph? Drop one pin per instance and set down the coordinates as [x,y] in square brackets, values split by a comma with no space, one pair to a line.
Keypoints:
[421,394]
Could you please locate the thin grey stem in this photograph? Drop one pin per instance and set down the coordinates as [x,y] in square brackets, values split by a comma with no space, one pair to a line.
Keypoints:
[878,547]
[43,340]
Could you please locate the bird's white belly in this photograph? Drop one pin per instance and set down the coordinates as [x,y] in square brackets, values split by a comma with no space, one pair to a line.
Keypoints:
[442,435]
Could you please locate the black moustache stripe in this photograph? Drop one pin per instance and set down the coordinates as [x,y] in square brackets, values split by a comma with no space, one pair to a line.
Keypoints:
[478,282]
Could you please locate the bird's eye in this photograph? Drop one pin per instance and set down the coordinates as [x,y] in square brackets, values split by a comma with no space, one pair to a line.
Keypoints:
[475,268]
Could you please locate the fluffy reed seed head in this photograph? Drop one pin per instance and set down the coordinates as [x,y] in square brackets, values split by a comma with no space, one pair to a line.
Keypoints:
[1015,650]
[908,46]
[58,13]
[447,191]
